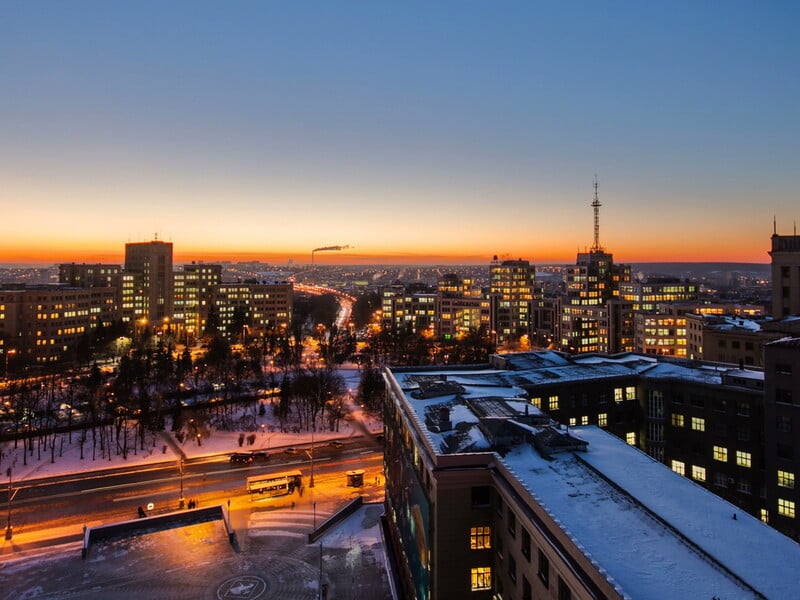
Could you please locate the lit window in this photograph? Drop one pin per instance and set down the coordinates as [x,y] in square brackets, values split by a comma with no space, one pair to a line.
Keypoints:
[602,420]
[630,393]
[765,515]
[698,424]
[481,578]
[630,437]
[480,538]
[786,508]
[537,402]
[553,402]
[678,467]
[585,420]
[743,459]
[786,479]
[698,473]
[573,421]
[617,394]
[720,453]
[677,420]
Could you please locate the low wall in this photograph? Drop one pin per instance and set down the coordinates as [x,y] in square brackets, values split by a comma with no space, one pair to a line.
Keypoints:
[134,527]
[335,518]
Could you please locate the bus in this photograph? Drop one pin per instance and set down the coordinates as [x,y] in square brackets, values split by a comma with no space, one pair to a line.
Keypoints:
[274,484]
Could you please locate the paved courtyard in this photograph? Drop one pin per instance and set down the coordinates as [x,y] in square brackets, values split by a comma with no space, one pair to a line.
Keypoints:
[271,559]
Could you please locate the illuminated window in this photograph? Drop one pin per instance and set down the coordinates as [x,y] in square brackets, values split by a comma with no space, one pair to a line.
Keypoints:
[786,508]
[678,467]
[481,578]
[573,421]
[618,395]
[786,479]
[585,420]
[743,459]
[480,538]
[630,393]
[553,402]
[698,424]
[602,420]
[765,515]
[720,453]
[677,420]
[698,473]
[630,437]
[537,402]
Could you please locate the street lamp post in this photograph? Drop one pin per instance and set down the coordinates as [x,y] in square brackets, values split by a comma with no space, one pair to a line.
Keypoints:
[181,500]
[9,531]
[311,479]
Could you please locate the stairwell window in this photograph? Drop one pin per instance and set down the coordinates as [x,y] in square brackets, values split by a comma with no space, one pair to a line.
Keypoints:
[481,578]
[480,538]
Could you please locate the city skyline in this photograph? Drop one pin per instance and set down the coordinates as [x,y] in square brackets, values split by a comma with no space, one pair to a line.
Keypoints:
[415,134]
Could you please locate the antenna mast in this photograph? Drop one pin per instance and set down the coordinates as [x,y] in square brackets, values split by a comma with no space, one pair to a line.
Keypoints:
[596,206]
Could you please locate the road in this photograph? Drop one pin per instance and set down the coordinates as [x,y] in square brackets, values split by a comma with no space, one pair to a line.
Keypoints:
[55,509]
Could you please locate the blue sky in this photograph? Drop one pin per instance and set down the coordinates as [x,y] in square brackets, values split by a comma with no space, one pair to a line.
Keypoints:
[407,131]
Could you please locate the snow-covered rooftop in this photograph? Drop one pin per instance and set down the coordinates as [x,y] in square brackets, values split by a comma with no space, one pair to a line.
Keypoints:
[655,533]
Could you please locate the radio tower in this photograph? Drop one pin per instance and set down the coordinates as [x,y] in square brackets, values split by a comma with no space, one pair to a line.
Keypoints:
[596,206]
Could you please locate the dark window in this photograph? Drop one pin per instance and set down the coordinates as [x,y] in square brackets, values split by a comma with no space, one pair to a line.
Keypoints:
[698,401]
[783,368]
[748,346]
[512,568]
[720,429]
[783,396]
[544,569]
[499,506]
[564,593]
[743,408]
[527,594]
[784,451]
[784,424]
[481,495]
[512,523]
[720,405]
[735,344]
[526,544]
[498,544]
[743,435]
[721,343]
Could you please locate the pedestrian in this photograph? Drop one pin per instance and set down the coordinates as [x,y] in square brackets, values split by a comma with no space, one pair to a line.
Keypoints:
[292,504]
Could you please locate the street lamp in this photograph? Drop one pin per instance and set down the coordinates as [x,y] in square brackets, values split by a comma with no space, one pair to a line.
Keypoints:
[311,479]
[181,500]
[9,532]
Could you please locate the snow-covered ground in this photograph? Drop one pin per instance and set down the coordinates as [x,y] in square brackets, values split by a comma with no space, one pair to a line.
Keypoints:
[65,454]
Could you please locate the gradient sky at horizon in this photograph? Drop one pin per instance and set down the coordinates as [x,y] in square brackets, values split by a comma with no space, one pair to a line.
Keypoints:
[411,132]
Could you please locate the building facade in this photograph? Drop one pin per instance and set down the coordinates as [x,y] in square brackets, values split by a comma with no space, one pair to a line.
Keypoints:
[785,255]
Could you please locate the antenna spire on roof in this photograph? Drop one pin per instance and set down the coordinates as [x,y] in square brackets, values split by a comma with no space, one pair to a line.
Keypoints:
[596,206]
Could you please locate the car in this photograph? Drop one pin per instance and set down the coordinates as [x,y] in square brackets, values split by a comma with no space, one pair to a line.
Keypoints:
[241,458]
[292,450]
[335,444]
[260,454]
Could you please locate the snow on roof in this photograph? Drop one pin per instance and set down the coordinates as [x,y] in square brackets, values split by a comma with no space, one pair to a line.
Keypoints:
[683,544]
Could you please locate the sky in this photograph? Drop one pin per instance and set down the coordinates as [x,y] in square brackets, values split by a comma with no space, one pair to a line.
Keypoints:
[409,132]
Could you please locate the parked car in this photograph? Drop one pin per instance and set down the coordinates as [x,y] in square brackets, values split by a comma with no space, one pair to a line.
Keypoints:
[335,443]
[242,458]
[292,450]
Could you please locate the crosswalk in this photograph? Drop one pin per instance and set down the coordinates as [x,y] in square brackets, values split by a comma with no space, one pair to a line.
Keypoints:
[283,524]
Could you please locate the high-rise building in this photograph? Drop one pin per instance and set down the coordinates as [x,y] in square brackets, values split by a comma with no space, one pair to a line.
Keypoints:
[148,283]
[248,309]
[462,307]
[785,256]
[592,282]
[194,293]
[512,288]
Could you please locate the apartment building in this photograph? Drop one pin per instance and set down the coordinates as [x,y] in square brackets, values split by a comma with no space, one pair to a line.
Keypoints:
[488,497]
